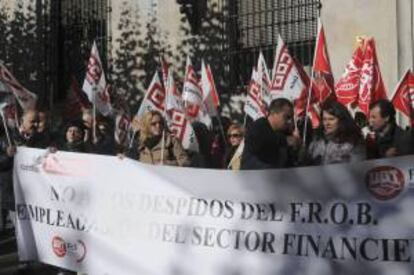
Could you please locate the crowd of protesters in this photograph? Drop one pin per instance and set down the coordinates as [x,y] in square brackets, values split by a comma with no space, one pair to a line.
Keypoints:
[275,141]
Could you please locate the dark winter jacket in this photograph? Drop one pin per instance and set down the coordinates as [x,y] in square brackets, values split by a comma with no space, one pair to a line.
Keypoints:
[396,138]
[6,184]
[265,148]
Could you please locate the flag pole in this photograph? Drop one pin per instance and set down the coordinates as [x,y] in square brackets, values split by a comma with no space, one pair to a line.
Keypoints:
[94,115]
[162,145]
[131,139]
[305,128]
[5,128]
[222,129]
[16,115]
[164,117]
[244,121]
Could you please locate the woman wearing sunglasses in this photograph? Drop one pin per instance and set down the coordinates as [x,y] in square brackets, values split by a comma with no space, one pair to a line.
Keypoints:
[157,145]
[235,135]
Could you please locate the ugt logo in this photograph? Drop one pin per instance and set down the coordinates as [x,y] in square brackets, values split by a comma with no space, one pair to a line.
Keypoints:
[385,182]
[62,248]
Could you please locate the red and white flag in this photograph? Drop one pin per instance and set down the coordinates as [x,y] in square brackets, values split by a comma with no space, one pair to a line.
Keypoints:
[193,97]
[286,79]
[254,106]
[208,86]
[164,70]
[301,102]
[264,81]
[371,86]
[95,84]
[154,99]
[403,99]
[173,98]
[191,89]
[9,110]
[178,123]
[347,88]
[25,98]
[76,100]
[323,82]
[181,128]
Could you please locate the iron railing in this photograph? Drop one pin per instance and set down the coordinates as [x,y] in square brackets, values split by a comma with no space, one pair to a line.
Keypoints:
[81,23]
[253,26]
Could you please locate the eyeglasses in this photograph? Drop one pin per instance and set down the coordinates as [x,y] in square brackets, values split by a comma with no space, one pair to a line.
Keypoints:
[234,135]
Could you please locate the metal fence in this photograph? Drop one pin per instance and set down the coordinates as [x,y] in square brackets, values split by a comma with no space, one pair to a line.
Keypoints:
[80,23]
[253,26]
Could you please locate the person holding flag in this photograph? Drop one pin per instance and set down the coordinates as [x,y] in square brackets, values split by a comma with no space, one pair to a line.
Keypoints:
[152,149]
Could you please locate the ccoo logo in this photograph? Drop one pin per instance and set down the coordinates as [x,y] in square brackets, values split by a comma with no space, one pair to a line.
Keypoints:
[385,182]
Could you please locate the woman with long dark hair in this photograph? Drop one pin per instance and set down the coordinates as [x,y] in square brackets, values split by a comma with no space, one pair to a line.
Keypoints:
[338,140]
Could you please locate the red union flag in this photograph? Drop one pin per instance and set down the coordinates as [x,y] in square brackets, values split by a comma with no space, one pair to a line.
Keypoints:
[323,82]
[25,98]
[95,84]
[403,99]
[154,99]
[371,86]
[348,85]
[286,79]
[254,106]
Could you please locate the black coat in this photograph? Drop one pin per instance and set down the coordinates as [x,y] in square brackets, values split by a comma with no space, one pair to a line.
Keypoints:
[6,184]
[264,147]
[396,137]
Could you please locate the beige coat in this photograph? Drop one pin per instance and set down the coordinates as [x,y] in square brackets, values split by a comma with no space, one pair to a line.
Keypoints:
[174,153]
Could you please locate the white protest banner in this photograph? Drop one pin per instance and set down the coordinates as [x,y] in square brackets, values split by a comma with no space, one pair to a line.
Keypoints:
[104,215]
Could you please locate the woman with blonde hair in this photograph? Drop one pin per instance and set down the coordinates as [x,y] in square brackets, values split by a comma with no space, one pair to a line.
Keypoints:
[232,157]
[157,145]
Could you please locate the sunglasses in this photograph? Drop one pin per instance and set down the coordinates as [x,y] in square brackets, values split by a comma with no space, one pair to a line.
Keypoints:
[156,123]
[234,135]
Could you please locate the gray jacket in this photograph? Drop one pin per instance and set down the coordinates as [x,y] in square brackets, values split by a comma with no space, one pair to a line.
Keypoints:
[323,151]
